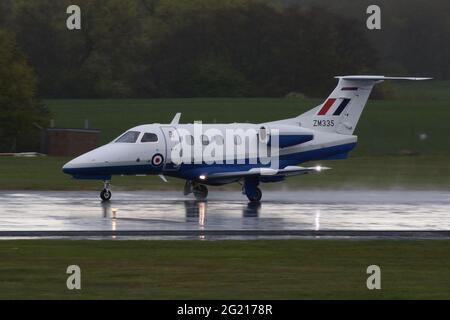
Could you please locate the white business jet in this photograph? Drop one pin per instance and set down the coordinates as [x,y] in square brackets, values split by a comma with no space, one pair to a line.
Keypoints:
[249,154]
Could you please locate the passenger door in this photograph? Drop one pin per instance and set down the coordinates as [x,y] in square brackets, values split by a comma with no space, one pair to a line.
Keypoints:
[173,147]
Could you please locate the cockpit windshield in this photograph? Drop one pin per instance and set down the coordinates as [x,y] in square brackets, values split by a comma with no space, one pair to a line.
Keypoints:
[129,137]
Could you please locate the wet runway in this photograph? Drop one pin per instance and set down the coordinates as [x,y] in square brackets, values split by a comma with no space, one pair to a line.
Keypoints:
[281,214]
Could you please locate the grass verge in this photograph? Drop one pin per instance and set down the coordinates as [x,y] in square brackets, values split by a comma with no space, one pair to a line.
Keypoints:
[264,269]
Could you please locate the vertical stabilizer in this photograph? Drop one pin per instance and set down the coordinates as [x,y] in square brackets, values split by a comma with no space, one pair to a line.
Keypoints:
[341,111]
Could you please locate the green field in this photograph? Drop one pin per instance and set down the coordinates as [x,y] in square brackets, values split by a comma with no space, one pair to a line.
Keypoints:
[424,91]
[386,127]
[412,172]
[293,269]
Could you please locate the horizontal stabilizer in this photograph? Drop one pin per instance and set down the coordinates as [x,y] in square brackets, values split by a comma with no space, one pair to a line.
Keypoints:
[380,78]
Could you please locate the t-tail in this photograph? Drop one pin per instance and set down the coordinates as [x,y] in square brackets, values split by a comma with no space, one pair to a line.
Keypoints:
[341,111]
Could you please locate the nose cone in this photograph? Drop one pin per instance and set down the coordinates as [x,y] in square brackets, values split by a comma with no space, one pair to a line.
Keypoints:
[80,163]
[66,167]
[69,167]
[91,165]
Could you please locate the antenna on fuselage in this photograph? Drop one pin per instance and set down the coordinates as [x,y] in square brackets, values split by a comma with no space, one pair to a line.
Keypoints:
[176,119]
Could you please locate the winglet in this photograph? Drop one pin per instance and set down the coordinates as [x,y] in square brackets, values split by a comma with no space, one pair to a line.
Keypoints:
[176,119]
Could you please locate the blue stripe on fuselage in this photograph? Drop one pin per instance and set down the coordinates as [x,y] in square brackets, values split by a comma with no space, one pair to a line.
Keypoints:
[193,171]
[84,173]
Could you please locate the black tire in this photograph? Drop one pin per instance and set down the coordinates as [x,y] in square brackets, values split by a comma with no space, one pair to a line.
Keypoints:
[105,195]
[200,192]
[257,197]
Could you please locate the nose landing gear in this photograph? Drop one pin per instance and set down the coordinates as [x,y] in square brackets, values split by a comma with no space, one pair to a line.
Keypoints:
[105,195]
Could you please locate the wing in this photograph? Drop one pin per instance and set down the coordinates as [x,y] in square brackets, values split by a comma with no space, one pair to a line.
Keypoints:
[266,172]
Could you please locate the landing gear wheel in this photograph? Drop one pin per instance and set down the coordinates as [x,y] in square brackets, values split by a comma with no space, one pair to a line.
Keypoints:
[200,192]
[257,197]
[105,195]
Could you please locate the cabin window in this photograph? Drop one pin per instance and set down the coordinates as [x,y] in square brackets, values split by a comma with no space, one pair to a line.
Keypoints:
[263,135]
[129,137]
[205,140]
[189,140]
[149,137]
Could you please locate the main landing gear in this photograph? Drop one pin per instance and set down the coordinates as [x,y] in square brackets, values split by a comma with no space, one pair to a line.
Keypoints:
[105,195]
[256,197]
[200,191]
[251,190]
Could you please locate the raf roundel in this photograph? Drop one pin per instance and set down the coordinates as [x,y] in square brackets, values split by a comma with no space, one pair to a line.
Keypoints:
[157,160]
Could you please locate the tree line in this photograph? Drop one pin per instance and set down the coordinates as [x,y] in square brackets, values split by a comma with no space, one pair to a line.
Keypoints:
[414,38]
[172,48]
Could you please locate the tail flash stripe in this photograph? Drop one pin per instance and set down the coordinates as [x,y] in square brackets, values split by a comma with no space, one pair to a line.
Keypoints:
[341,107]
[327,105]
[349,89]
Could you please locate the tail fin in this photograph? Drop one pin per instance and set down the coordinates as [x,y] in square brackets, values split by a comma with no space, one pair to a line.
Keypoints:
[342,109]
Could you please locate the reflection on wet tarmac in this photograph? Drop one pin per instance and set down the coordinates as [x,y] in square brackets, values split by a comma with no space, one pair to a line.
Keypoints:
[299,210]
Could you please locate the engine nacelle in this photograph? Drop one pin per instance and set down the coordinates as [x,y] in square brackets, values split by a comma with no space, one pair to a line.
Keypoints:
[287,135]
